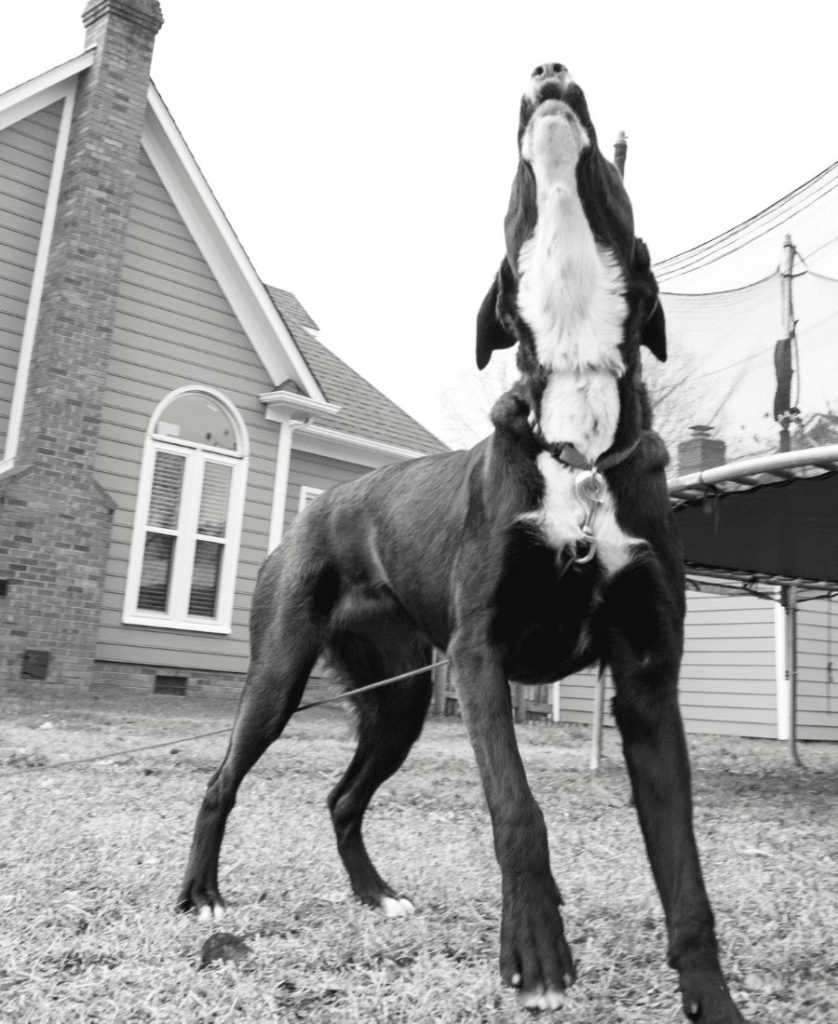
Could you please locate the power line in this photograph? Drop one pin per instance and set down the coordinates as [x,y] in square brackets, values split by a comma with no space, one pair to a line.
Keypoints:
[712,244]
[822,246]
[708,258]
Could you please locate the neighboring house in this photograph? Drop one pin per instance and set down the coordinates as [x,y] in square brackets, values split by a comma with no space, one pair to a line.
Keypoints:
[163,414]
[733,674]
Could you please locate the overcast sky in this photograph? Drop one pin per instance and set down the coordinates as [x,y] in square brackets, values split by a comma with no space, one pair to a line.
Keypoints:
[363,150]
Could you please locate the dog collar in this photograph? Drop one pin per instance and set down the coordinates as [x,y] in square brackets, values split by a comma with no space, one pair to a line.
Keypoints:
[569,454]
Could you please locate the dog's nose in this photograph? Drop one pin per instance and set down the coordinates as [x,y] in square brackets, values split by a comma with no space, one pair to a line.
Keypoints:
[545,71]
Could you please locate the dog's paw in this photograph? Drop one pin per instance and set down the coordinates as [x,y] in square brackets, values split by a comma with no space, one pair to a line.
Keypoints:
[707,1001]
[396,906]
[540,998]
[207,903]
[535,959]
[211,912]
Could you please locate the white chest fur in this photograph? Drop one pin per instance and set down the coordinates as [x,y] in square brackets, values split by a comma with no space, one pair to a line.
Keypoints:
[570,292]
[562,514]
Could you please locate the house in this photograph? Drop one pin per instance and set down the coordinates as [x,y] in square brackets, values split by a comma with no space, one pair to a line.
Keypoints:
[163,413]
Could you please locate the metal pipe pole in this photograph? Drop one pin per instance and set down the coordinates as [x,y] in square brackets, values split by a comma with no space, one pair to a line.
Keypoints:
[598,720]
[790,602]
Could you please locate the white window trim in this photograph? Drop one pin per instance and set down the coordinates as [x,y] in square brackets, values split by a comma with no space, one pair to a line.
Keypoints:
[222,623]
[307,495]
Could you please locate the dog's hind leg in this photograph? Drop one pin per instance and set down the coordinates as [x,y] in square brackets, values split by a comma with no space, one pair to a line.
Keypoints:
[642,621]
[389,722]
[283,659]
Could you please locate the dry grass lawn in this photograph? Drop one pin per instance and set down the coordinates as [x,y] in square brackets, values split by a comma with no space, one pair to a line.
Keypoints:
[91,859]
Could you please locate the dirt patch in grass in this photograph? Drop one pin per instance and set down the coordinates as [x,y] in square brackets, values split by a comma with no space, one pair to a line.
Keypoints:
[91,859]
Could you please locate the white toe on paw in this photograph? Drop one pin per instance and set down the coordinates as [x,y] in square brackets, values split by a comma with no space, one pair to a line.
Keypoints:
[396,906]
[208,912]
[541,999]
[555,998]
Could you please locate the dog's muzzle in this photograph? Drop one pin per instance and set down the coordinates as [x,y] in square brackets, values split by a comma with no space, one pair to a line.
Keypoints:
[548,82]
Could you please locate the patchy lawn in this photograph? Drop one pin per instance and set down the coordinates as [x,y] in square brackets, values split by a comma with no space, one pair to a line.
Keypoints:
[91,860]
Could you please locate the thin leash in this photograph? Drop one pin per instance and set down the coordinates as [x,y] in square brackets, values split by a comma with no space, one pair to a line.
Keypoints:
[218,732]
[373,686]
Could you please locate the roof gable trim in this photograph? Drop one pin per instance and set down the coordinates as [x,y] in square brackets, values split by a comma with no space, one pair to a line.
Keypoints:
[36,288]
[206,221]
[42,91]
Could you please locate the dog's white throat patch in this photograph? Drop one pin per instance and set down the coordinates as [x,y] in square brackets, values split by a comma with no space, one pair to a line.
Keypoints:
[571,294]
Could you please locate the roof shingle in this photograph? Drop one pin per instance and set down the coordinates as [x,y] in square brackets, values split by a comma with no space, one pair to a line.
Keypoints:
[364,410]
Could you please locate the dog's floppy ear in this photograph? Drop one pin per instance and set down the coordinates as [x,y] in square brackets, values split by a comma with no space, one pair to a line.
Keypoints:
[653,332]
[653,328]
[491,330]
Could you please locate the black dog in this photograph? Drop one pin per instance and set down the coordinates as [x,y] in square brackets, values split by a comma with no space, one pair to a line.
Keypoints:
[546,548]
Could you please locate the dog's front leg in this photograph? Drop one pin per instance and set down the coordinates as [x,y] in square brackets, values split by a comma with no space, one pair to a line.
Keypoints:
[644,654]
[534,956]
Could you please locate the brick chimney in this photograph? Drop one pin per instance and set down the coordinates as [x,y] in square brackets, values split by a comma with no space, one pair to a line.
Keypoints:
[77,311]
[700,451]
[53,507]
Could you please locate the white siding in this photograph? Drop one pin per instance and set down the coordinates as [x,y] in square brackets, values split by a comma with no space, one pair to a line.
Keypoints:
[174,327]
[817,670]
[315,471]
[27,151]
[728,673]
[728,682]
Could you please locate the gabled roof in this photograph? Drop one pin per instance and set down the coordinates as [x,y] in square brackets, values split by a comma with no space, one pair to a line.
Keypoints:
[364,410]
[276,324]
[181,176]
[172,159]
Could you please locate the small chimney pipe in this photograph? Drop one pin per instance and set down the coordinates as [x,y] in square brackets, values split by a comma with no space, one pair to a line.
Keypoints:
[620,149]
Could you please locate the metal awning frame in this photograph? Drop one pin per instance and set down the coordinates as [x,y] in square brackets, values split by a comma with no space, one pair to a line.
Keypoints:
[745,475]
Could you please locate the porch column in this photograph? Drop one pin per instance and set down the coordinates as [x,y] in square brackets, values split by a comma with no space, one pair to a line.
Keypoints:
[283,469]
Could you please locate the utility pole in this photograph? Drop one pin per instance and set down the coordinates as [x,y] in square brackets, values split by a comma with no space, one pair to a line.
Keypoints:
[784,413]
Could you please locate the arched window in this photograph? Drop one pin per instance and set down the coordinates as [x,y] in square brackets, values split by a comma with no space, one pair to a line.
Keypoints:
[184,550]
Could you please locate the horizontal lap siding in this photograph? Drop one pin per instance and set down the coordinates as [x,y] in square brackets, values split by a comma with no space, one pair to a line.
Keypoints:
[174,327]
[27,151]
[728,682]
[817,670]
[315,471]
[728,673]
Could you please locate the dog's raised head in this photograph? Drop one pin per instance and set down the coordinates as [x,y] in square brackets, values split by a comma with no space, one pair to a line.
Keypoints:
[569,238]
